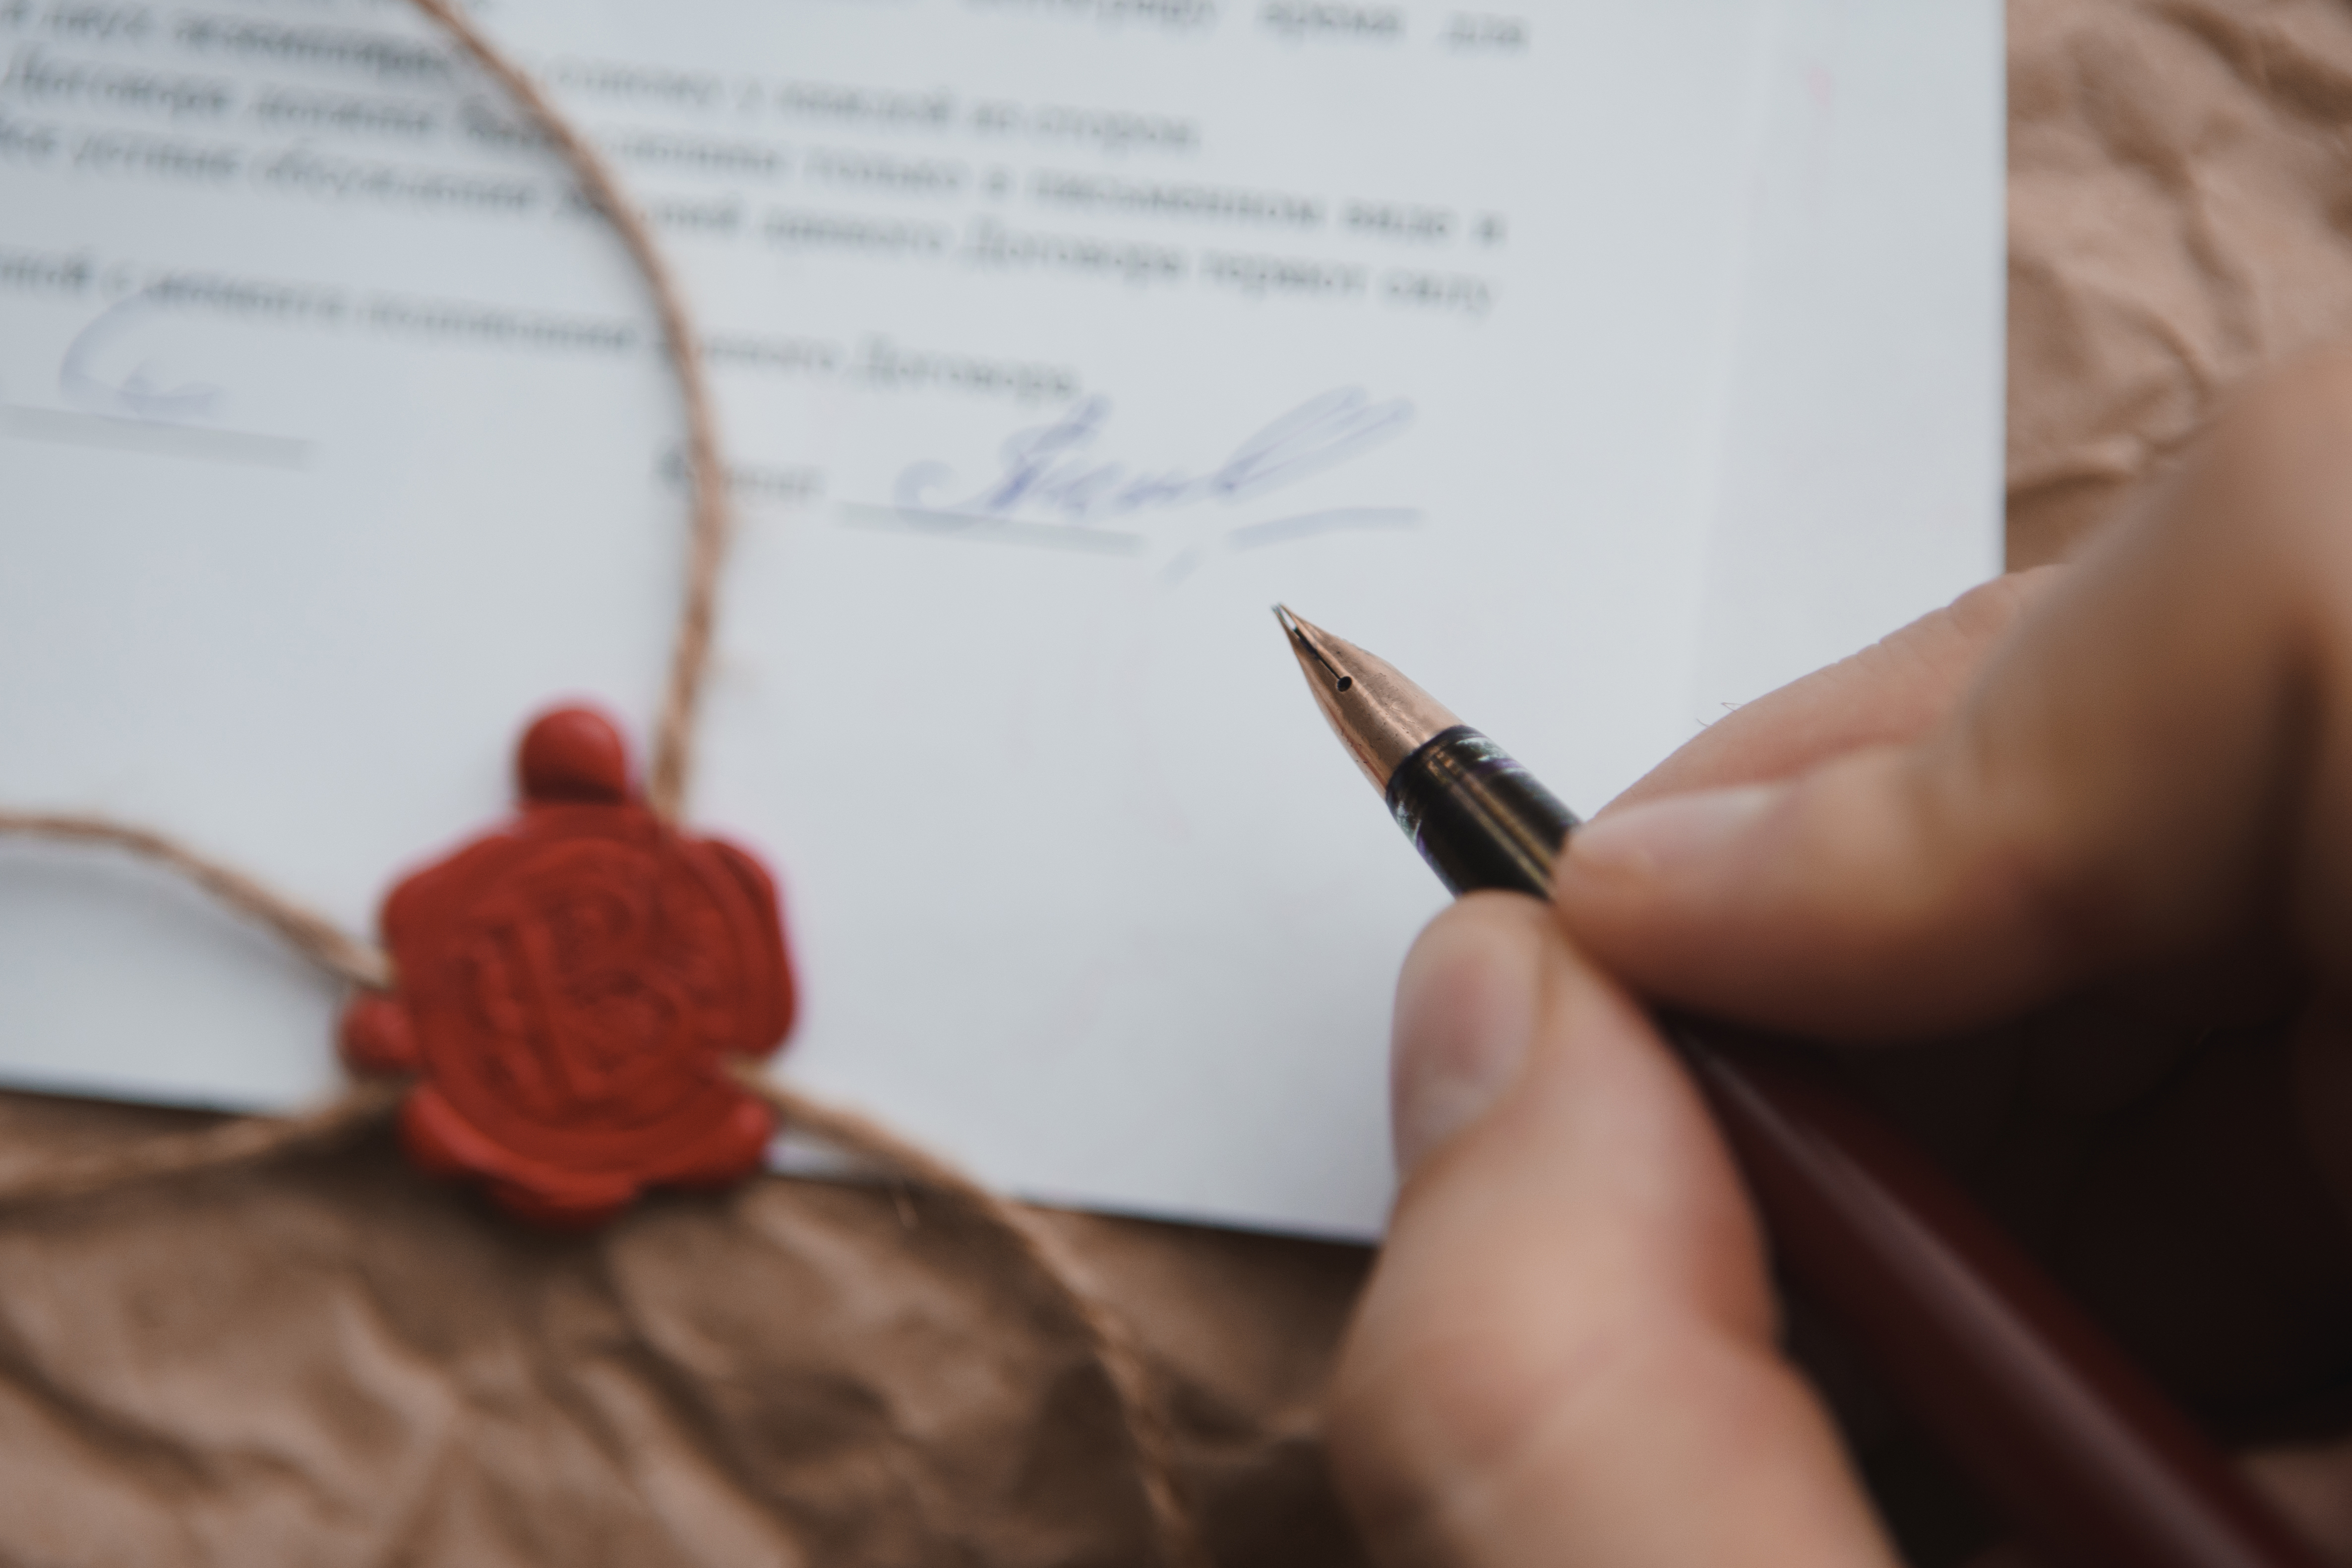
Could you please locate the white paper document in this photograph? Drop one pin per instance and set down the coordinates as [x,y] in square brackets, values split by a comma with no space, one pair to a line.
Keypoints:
[1859,480]
[1054,341]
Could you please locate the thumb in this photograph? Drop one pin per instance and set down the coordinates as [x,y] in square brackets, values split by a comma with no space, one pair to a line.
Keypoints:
[1565,1352]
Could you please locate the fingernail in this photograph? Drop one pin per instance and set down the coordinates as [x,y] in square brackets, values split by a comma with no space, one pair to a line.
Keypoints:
[1466,1014]
[1660,838]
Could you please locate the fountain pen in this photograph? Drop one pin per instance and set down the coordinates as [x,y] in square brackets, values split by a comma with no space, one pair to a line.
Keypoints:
[2079,1452]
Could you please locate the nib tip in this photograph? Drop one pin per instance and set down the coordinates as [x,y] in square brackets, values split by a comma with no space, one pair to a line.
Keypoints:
[1306,647]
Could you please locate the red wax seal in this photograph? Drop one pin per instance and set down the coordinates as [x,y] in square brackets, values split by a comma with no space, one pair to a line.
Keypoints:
[571,987]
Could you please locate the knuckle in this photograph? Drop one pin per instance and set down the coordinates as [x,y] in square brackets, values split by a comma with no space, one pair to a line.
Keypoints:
[2013,856]
[1988,610]
[1950,642]
[1931,661]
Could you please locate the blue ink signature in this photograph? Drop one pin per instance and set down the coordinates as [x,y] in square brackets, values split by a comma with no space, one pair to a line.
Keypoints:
[136,395]
[1052,470]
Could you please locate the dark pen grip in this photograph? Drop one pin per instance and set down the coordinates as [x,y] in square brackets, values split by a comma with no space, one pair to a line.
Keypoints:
[2070,1442]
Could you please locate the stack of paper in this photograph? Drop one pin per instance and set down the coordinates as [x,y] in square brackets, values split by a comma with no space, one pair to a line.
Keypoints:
[1596,364]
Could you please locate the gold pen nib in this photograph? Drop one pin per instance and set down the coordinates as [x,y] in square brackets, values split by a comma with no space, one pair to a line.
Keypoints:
[1311,656]
[1380,716]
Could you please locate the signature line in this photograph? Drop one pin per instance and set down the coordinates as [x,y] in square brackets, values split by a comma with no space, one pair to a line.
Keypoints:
[991,529]
[117,434]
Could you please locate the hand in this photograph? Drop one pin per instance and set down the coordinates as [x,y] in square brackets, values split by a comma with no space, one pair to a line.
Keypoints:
[2081,846]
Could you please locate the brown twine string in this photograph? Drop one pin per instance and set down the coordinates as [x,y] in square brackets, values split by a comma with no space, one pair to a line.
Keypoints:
[313,935]
[672,753]
[254,1140]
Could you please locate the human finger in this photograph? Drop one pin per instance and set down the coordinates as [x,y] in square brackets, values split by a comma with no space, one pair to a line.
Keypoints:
[1566,1353]
[2155,756]
[1895,690]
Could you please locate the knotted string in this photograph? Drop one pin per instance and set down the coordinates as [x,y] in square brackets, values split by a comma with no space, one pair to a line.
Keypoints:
[254,1140]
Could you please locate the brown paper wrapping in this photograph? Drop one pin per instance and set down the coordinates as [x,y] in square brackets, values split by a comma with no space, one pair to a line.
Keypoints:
[336,1362]
[332,1361]
[2179,217]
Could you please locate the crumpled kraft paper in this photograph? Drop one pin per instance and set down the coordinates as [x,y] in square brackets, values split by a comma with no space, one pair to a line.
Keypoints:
[334,1362]
[2178,218]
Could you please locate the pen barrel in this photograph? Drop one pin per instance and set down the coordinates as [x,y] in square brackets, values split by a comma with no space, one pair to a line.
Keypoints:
[1478,817]
[2070,1442]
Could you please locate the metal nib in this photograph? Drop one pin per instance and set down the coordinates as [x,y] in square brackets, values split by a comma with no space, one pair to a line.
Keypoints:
[1380,716]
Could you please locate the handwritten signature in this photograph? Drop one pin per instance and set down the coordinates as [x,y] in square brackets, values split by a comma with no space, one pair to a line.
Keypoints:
[136,394]
[1054,470]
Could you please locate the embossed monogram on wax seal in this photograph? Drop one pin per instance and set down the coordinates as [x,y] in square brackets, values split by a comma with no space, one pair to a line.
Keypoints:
[569,989]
